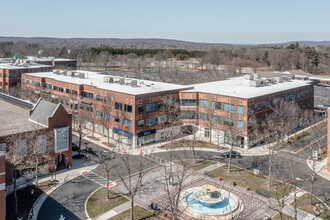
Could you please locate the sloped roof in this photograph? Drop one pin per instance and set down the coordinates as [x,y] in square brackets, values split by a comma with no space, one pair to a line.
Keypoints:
[42,111]
[299,72]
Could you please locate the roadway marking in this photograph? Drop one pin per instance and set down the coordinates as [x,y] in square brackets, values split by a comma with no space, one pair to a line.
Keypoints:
[221,164]
[310,144]
[96,178]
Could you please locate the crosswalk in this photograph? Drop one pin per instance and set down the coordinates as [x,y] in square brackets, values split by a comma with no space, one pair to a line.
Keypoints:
[96,178]
[289,156]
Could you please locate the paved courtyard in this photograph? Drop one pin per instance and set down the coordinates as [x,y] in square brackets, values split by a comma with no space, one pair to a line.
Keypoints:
[153,191]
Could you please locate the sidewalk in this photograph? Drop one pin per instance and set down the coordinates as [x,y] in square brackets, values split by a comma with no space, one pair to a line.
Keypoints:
[78,167]
[115,211]
[320,168]
[155,148]
[289,209]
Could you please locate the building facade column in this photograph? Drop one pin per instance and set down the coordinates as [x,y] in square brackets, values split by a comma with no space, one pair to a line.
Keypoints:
[246,143]
[134,141]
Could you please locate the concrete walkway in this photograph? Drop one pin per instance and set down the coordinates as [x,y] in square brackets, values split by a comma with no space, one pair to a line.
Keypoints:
[289,209]
[115,211]
[320,168]
[211,167]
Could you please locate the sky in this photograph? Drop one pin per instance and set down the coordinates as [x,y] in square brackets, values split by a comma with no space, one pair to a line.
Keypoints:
[212,21]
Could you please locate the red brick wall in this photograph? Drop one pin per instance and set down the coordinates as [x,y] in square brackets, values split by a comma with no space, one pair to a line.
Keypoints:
[2,188]
[328,165]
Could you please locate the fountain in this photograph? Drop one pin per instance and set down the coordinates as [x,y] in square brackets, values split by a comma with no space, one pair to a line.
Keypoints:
[209,201]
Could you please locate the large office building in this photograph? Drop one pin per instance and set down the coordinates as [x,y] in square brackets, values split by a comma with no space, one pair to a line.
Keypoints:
[136,105]
[11,71]
[29,131]
[57,63]
[223,108]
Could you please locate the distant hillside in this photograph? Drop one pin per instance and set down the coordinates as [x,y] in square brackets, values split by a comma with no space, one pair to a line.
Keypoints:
[146,43]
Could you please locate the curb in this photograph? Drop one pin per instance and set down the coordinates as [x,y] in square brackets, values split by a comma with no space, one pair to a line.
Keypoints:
[87,201]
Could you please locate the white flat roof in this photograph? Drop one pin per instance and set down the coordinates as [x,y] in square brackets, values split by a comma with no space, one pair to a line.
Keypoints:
[240,87]
[32,58]
[21,66]
[96,80]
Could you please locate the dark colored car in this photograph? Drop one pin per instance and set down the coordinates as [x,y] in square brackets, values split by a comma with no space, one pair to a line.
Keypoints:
[74,147]
[234,154]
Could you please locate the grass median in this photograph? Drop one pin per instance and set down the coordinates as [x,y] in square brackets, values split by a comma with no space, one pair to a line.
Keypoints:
[98,203]
[257,183]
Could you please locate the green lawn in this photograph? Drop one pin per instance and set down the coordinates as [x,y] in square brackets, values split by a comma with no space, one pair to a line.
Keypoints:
[98,203]
[197,165]
[307,132]
[139,213]
[303,203]
[256,183]
[285,217]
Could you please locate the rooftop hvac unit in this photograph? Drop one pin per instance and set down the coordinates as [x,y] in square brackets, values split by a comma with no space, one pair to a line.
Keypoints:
[119,80]
[254,83]
[57,72]
[79,75]
[106,79]
[248,76]
[284,78]
[278,79]
[256,76]
[69,73]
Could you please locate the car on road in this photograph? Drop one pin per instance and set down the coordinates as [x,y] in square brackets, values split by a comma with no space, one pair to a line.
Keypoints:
[74,147]
[234,154]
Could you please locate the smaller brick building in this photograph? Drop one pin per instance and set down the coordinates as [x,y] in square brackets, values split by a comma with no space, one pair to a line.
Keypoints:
[36,139]
[57,63]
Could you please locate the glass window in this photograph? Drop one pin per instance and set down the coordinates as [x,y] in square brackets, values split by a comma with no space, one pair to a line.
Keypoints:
[14,75]
[2,147]
[293,97]
[118,119]
[23,81]
[216,119]
[204,117]
[188,115]
[216,105]
[151,107]
[161,119]
[228,122]
[28,82]
[40,145]
[240,124]
[60,89]
[228,107]
[298,95]
[188,102]
[140,123]
[61,139]
[99,98]
[267,104]
[204,103]
[107,117]
[240,109]
[33,83]
[55,88]
[127,122]
[150,121]
[107,100]
[260,106]
[99,114]
[118,106]
[259,120]
[140,108]
[20,148]
[160,105]
[287,99]
[128,108]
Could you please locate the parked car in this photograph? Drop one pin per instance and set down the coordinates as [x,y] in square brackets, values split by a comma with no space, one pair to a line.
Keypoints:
[234,154]
[74,147]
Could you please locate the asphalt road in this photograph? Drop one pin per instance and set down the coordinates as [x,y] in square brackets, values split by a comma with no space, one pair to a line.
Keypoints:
[68,200]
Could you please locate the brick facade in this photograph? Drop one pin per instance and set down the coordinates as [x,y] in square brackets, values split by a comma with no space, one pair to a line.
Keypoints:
[2,188]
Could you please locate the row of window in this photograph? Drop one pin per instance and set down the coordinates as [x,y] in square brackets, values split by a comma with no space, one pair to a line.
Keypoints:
[226,121]
[261,106]
[226,106]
